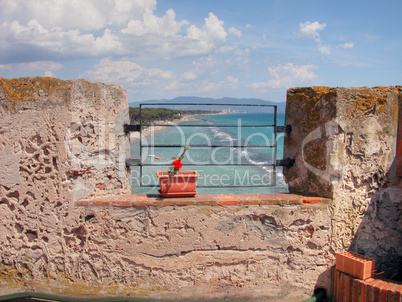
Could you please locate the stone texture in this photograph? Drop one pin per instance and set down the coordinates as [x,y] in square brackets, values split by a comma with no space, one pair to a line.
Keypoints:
[9,172]
[68,140]
[58,141]
[344,142]
[310,111]
[340,137]
[380,232]
[205,248]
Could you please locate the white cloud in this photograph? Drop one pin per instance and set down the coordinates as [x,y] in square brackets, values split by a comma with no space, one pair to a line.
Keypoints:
[103,28]
[324,49]
[127,72]
[346,46]
[212,32]
[70,42]
[49,74]
[235,31]
[47,66]
[288,75]
[214,65]
[189,76]
[232,81]
[75,14]
[151,24]
[311,30]
[206,87]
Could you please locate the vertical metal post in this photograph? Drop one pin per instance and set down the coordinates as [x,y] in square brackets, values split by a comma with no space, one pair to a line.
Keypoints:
[140,145]
[275,146]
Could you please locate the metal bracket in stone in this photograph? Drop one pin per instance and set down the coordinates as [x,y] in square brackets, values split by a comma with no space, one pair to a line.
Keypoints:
[133,162]
[285,129]
[287,162]
[132,128]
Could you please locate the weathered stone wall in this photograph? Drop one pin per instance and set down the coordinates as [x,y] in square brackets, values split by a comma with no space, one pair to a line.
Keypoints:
[344,143]
[63,141]
[209,252]
[60,141]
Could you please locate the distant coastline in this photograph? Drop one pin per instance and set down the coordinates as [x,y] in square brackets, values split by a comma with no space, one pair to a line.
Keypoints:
[135,136]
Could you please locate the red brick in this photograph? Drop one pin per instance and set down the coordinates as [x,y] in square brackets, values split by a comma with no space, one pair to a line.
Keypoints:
[384,291]
[399,142]
[249,199]
[391,292]
[355,264]
[398,293]
[143,203]
[122,203]
[123,200]
[399,148]
[100,202]
[164,202]
[206,200]
[185,201]
[362,291]
[342,287]
[339,285]
[370,289]
[365,289]
[288,199]
[399,166]
[348,288]
[270,199]
[335,280]
[143,200]
[377,290]
[227,200]
[126,197]
[83,203]
[356,287]
[311,200]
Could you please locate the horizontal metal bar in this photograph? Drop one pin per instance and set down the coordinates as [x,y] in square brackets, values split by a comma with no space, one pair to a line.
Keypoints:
[217,186]
[191,165]
[205,126]
[209,146]
[200,104]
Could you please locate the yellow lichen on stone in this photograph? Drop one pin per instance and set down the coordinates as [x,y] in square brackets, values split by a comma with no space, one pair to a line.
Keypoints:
[16,91]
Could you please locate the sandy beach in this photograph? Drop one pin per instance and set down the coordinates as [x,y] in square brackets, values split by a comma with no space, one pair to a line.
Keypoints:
[135,136]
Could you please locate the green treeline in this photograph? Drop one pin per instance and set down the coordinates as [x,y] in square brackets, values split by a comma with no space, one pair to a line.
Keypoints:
[150,115]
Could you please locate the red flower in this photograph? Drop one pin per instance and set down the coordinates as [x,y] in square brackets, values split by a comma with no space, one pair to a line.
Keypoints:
[177,164]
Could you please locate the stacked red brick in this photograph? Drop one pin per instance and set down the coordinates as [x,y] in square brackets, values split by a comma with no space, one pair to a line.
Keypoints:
[353,280]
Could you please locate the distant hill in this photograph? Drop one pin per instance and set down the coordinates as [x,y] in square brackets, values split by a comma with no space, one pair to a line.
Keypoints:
[223,101]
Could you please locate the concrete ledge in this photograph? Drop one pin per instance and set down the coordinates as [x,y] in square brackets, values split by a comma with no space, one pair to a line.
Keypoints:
[145,200]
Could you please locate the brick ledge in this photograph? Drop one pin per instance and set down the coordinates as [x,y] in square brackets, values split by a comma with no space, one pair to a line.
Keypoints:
[348,288]
[144,200]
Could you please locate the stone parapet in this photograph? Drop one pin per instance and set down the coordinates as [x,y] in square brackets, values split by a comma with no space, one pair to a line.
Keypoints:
[344,142]
[64,136]
[70,225]
[341,137]
[145,200]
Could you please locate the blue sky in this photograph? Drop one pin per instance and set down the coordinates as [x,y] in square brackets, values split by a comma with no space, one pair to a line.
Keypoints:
[209,48]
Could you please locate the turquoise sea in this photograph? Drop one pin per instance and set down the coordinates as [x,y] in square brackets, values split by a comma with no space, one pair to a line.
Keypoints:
[231,156]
